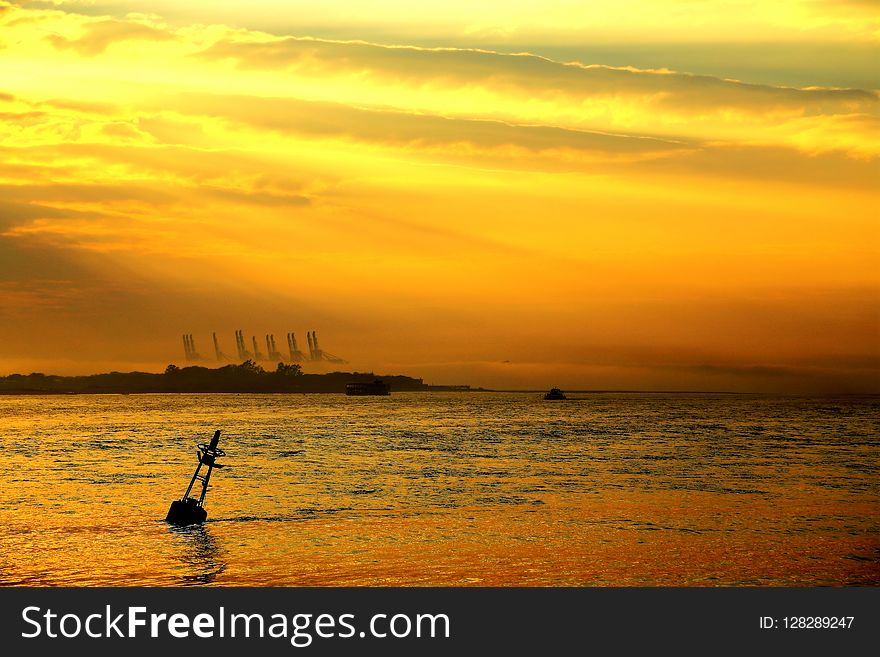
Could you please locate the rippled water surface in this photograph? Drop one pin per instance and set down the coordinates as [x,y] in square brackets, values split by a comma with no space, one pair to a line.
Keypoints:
[443,489]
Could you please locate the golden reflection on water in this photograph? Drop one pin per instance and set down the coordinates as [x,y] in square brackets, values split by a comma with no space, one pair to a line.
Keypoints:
[442,489]
[201,557]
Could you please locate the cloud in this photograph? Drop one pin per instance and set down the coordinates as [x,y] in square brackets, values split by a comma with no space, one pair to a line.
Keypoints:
[769,163]
[526,147]
[86,107]
[19,117]
[102,34]
[265,199]
[171,131]
[13,213]
[24,203]
[334,120]
[871,7]
[467,84]
[530,75]
[85,192]
[526,89]
[184,163]
[599,215]
[124,131]
[27,266]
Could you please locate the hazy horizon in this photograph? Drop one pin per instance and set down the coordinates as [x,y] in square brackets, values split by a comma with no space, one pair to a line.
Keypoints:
[628,196]
[441,380]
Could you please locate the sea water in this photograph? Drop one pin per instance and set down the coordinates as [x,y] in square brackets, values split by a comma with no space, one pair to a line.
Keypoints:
[447,489]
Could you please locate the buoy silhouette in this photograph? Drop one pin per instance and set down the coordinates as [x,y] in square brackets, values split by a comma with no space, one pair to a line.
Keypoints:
[189,510]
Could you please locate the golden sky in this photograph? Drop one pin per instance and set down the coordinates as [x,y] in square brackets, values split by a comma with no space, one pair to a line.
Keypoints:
[644,195]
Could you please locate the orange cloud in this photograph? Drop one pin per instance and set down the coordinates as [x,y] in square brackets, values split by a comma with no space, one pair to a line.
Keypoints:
[594,225]
[102,34]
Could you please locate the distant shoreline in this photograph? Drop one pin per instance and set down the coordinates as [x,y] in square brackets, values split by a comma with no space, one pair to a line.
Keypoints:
[250,378]
[247,377]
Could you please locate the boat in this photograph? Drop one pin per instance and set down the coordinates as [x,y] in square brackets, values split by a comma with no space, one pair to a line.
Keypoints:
[377,387]
[555,393]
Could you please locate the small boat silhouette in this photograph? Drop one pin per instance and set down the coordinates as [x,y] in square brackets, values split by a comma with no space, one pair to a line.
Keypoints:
[555,393]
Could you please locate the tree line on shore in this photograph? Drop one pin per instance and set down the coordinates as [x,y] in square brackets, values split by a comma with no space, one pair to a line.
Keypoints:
[243,377]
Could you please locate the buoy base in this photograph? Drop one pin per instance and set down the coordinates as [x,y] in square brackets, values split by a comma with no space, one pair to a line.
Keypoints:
[186,512]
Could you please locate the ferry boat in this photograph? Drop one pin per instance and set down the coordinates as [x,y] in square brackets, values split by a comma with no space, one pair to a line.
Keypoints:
[555,393]
[377,387]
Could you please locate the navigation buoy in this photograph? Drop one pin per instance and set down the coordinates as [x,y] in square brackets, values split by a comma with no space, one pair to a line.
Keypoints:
[189,510]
